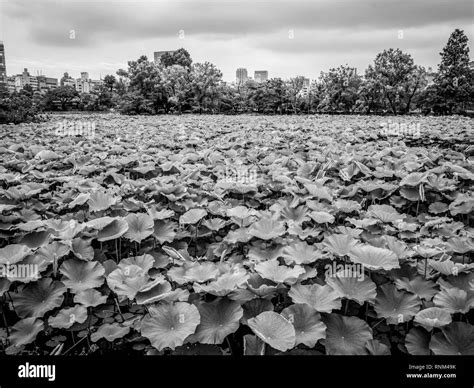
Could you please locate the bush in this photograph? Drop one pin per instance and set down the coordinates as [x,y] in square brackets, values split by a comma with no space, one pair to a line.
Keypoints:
[17,108]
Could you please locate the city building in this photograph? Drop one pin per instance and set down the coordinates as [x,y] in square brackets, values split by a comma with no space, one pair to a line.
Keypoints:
[3,68]
[25,78]
[83,84]
[158,54]
[304,92]
[261,75]
[39,82]
[46,82]
[241,75]
[67,80]
[11,84]
[96,83]
[471,65]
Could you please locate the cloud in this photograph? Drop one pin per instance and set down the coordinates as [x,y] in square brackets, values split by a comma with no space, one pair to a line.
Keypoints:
[229,33]
[357,40]
[97,22]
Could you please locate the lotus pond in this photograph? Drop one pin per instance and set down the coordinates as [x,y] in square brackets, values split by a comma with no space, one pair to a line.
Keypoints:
[237,235]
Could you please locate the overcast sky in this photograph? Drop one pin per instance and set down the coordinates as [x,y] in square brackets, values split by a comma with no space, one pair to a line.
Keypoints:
[287,38]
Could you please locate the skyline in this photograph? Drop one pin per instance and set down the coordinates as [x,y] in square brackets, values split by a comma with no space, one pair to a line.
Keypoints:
[287,39]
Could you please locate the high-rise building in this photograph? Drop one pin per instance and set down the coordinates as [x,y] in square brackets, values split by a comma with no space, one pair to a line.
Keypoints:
[471,65]
[306,82]
[260,75]
[158,54]
[3,68]
[241,75]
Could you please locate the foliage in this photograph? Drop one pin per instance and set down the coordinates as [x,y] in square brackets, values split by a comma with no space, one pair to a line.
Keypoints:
[17,108]
[144,240]
[398,79]
[454,81]
[392,84]
[179,57]
[60,98]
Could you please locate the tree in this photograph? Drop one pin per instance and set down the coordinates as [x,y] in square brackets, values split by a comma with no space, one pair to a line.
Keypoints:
[429,101]
[145,79]
[229,99]
[3,89]
[88,102]
[205,80]
[133,102]
[109,82]
[293,88]
[243,96]
[177,83]
[454,80]
[179,57]
[17,108]
[258,96]
[277,97]
[121,85]
[27,89]
[314,97]
[370,96]
[398,78]
[340,89]
[62,96]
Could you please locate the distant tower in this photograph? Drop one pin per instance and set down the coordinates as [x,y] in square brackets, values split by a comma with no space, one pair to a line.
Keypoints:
[241,75]
[3,67]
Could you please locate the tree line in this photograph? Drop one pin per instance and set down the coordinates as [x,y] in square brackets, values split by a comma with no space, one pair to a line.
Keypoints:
[392,84]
